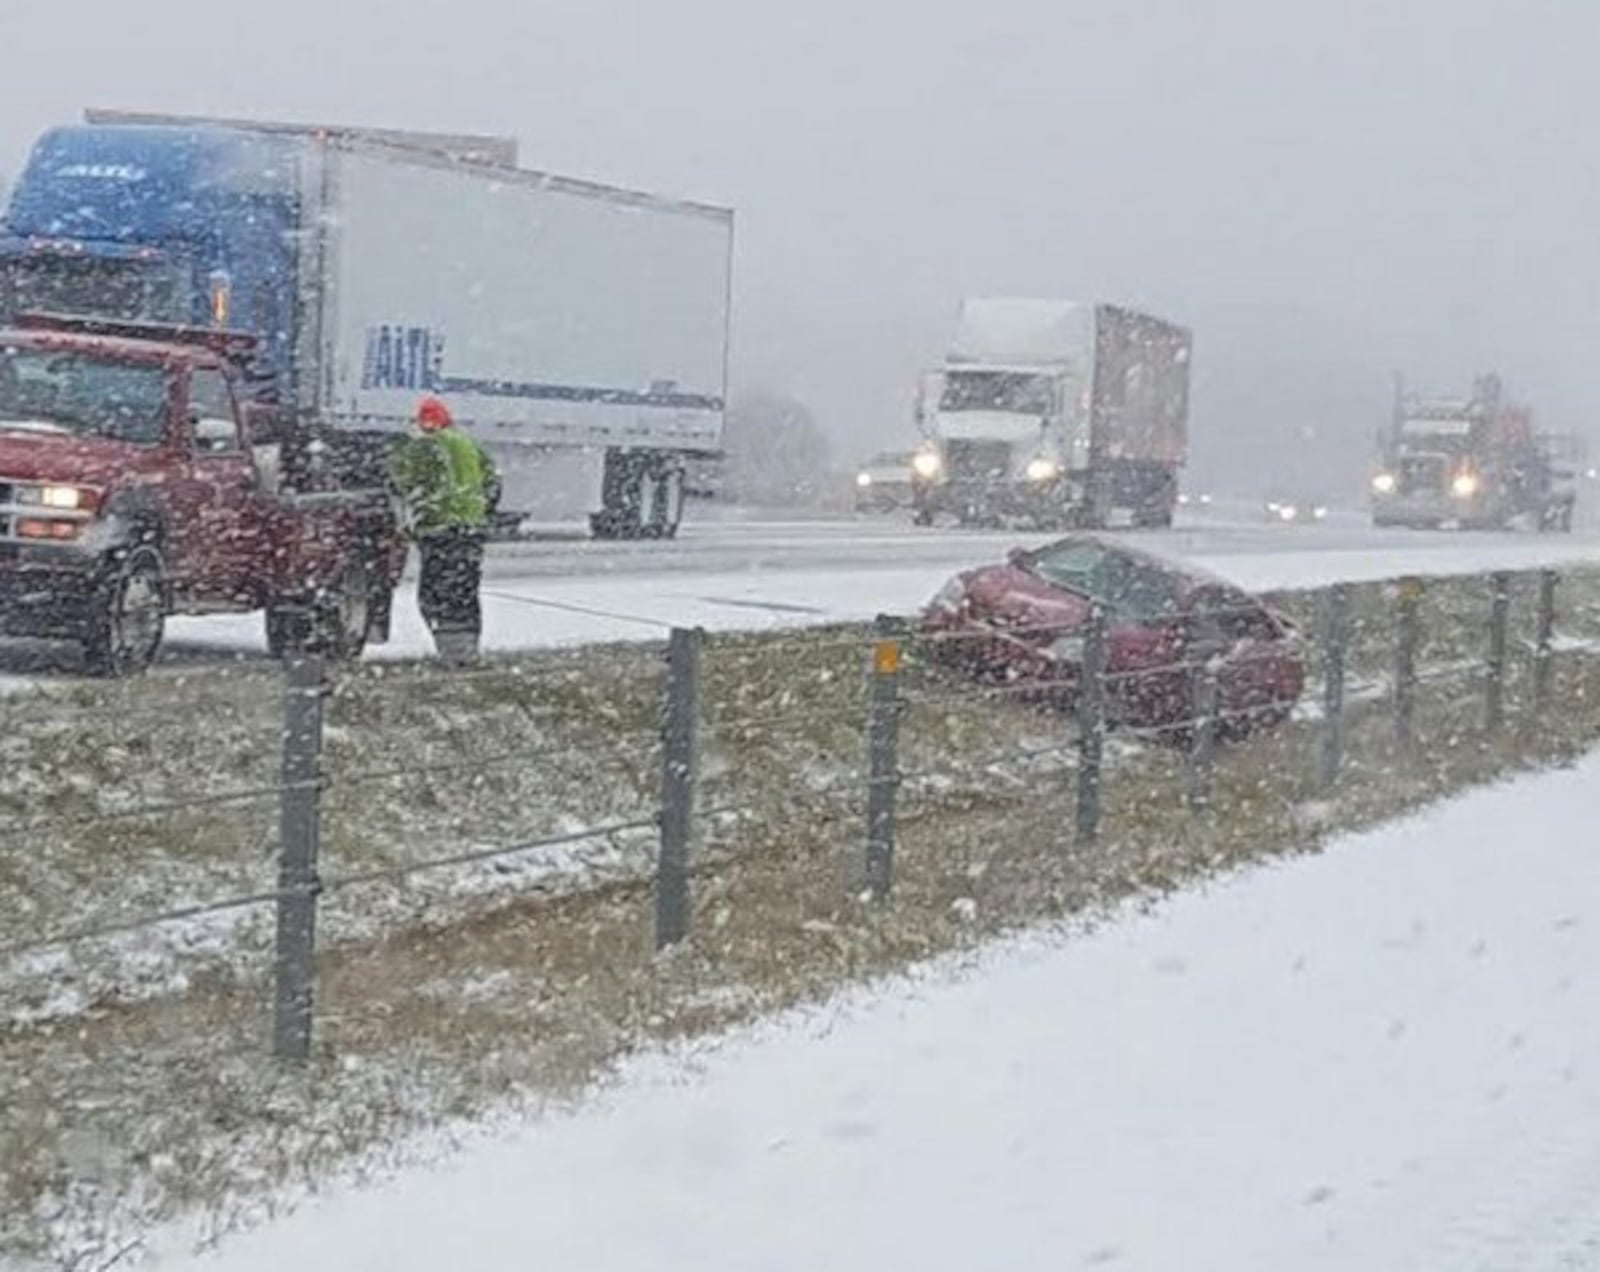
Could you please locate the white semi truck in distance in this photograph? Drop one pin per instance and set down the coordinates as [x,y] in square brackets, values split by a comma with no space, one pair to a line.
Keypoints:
[1057,413]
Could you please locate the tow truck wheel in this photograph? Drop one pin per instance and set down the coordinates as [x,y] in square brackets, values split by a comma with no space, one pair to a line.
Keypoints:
[335,624]
[343,614]
[130,616]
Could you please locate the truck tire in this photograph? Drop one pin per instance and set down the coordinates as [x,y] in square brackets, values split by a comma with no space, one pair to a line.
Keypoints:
[287,630]
[667,503]
[621,494]
[335,623]
[129,614]
[641,496]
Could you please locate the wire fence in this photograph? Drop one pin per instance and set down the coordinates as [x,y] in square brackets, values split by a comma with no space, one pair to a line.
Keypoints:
[691,755]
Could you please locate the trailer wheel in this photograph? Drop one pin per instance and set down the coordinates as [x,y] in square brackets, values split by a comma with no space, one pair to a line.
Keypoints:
[667,503]
[130,615]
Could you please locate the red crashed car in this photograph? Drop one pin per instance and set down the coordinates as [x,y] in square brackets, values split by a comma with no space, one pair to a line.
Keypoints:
[1022,624]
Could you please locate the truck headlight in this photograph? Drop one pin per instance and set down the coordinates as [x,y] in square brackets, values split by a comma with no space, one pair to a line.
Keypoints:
[863,480]
[66,498]
[1042,469]
[1288,512]
[1384,483]
[927,464]
[1319,513]
[1465,485]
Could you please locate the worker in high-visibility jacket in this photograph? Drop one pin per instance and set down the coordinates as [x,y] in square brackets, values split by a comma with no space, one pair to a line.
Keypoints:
[450,489]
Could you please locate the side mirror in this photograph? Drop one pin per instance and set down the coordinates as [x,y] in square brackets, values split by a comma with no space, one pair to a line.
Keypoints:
[215,435]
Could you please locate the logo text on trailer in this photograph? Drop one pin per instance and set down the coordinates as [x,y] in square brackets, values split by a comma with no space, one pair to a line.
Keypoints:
[400,357]
[102,171]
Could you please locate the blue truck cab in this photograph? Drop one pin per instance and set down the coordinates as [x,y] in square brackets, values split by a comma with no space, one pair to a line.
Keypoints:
[192,226]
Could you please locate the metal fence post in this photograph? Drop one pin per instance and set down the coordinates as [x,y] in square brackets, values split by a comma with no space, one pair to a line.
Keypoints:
[1544,638]
[677,785]
[300,829]
[1091,727]
[1408,632]
[883,757]
[1335,644]
[1494,712]
[1203,745]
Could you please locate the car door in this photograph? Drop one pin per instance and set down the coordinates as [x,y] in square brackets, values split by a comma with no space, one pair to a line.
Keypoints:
[227,516]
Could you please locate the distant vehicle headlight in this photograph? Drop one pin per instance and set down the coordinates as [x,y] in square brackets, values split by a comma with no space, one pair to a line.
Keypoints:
[1465,485]
[1042,469]
[927,464]
[1288,512]
[1183,501]
[863,480]
[1319,513]
[1384,483]
[1205,501]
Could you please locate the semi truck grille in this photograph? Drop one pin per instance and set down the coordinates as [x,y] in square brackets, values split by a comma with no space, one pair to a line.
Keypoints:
[1422,474]
[978,460]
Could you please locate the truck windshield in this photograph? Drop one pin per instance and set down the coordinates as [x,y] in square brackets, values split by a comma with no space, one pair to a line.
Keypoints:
[137,291]
[52,392]
[1019,393]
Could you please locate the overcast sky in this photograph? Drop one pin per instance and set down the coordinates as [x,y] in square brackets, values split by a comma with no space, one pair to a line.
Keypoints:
[1326,190]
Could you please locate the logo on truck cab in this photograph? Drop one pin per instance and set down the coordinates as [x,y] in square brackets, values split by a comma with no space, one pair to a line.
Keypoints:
[400,357]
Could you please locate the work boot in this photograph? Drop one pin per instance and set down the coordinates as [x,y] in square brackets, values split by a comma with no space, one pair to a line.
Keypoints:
[456,649]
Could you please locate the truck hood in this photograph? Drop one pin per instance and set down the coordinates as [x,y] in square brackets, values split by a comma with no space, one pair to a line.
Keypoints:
[30,455]
[990,426]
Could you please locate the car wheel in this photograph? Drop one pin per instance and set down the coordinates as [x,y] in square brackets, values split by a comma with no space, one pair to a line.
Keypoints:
[130,615]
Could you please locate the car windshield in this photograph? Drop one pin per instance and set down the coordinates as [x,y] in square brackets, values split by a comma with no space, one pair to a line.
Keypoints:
[44,390]
[1020,393]
[1125,585]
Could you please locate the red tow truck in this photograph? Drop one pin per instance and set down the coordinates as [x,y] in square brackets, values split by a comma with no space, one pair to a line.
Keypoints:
[146,471]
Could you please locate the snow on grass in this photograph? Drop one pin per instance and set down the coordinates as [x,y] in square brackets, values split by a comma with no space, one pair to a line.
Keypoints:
[422,764]
[1386,1056]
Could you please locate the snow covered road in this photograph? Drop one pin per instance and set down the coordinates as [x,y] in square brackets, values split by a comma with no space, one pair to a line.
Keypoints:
[758,575]
[733,575]
[1383,1057]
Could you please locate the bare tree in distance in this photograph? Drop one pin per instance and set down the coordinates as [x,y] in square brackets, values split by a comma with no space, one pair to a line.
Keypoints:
[775,452]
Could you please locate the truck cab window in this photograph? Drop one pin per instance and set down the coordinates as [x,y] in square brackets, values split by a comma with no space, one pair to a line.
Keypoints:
[42,391]
[211,413]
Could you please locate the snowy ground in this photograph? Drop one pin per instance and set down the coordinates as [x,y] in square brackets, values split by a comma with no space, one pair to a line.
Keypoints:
[1383,1057]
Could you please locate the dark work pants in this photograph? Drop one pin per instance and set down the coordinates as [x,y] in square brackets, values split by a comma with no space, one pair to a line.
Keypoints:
[452,569]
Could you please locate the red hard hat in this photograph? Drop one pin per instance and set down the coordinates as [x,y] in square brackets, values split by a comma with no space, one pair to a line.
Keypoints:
[433,414]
